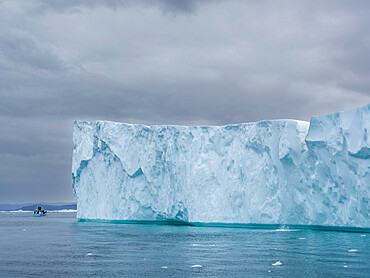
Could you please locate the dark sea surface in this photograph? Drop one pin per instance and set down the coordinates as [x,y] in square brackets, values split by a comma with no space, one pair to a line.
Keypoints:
[58,245]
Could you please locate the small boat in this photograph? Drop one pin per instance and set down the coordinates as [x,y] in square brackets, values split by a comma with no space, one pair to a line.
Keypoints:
[39,212]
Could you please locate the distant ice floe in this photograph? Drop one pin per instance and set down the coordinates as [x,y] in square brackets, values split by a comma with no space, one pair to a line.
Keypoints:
[278,263]
[64,210]
[352,250]
[14,211]
[164,267]
[28,211]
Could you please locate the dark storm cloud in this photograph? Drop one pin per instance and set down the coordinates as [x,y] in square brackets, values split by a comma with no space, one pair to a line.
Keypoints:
[165,62]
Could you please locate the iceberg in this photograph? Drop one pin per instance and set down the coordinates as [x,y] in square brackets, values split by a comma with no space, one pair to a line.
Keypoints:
[267,172]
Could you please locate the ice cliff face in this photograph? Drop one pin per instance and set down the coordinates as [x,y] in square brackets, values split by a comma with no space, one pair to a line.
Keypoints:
[282,171]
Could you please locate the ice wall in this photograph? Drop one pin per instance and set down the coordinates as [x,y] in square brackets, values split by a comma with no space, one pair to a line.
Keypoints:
[281,171]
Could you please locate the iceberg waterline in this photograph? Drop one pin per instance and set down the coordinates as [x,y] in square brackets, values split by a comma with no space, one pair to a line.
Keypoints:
[267,172]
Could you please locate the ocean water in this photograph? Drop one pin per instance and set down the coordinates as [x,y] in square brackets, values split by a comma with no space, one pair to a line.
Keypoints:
[58,245]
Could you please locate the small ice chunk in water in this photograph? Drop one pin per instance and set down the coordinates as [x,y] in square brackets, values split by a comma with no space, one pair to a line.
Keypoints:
[352,250]
[269,271]
[345,266]
[302,238]
[197,266]
[24,230]
[278,263]
[89,254]
[363,235]
[203,245]
[164,267]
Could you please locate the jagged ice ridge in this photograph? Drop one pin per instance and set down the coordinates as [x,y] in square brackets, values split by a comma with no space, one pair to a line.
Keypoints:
[280,171]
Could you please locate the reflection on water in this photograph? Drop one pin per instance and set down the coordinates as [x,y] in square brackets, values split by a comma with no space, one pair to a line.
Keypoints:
[60,246]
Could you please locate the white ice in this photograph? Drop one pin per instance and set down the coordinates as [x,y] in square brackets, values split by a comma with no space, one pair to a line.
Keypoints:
[281,171]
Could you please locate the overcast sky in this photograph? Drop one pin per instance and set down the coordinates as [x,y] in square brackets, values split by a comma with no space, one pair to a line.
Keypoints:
[165,62]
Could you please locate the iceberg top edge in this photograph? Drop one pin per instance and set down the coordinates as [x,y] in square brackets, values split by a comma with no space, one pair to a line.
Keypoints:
[361,108]
[300,122]
[197,126]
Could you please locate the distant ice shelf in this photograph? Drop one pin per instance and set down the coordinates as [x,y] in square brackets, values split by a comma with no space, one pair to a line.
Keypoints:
[267,172]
